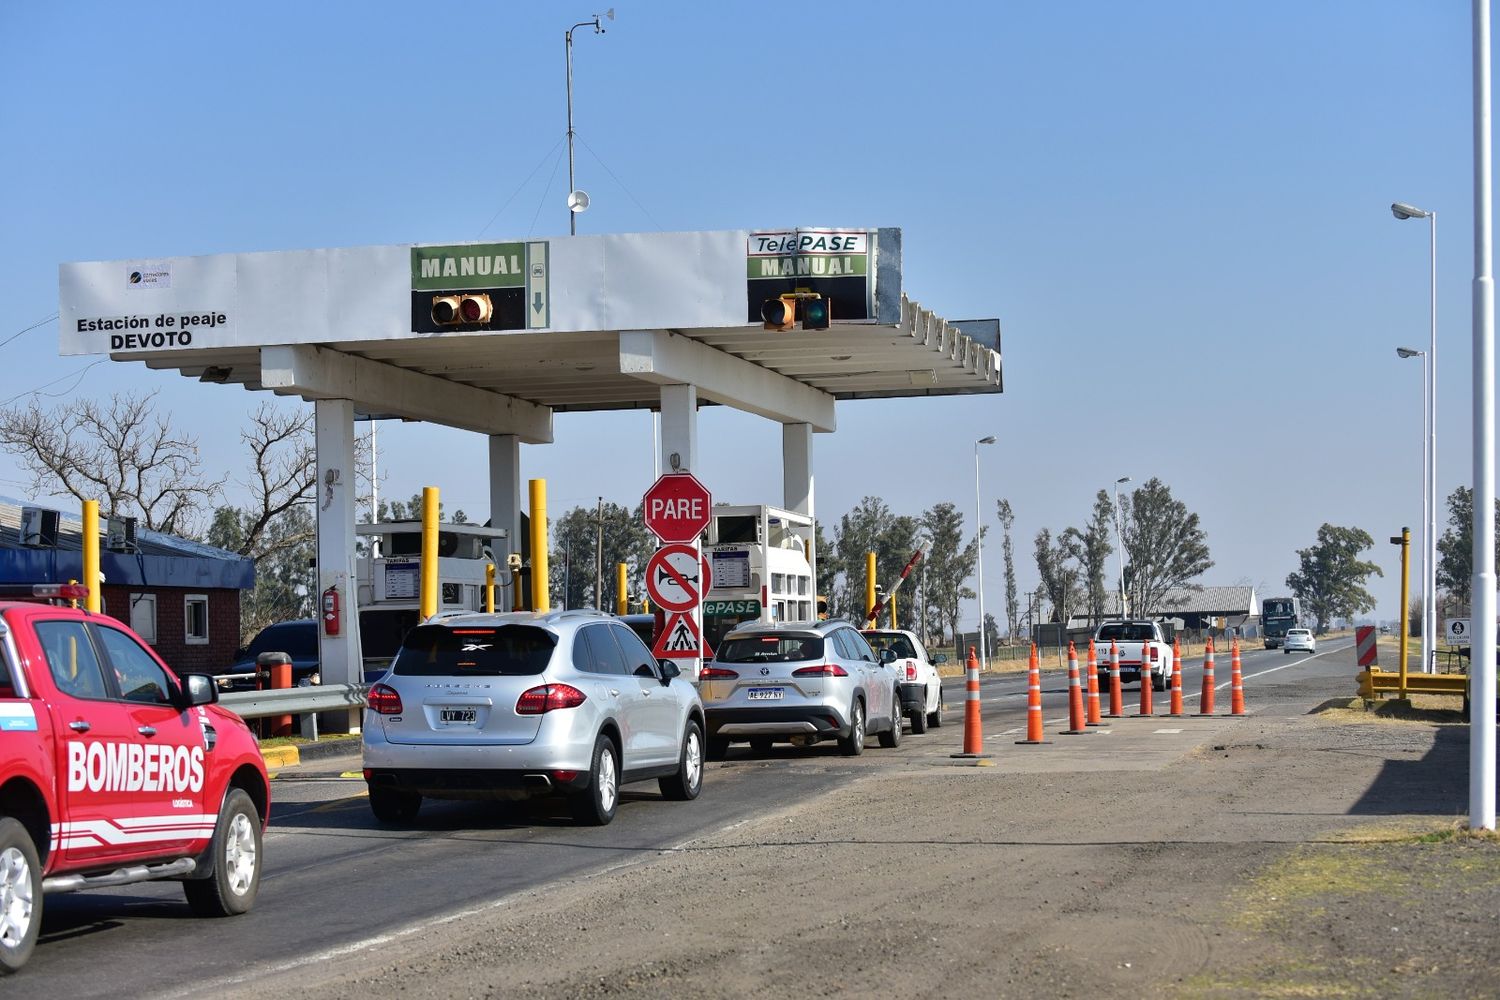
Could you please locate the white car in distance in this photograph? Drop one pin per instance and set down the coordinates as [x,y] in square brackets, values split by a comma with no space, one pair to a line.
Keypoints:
[1300,639]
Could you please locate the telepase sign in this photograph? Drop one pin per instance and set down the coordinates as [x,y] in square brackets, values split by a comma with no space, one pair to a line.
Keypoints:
[630,281]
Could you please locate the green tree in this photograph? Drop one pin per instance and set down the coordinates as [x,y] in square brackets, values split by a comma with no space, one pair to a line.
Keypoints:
[872,527]
[1090,549]
[575,543]
[1059,581]
[830,563]
[1331,581]
[283,558]
[411,510]
[1455,568]
[1164,545]
[1012,604]
[950,561]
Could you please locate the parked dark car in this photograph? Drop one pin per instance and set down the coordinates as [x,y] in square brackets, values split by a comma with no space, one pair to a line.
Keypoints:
[297,639]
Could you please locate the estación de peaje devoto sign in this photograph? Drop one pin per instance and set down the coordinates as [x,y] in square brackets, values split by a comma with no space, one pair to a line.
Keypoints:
[631,281]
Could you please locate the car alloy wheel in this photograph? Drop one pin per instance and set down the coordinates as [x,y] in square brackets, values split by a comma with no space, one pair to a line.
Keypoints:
[20,895]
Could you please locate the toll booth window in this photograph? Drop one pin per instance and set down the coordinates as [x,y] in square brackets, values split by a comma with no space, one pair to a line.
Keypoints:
[195,619]
[778,583]
[771,649]
[804,586]
[737,530]
[140,677]
[504,651]
[70,658]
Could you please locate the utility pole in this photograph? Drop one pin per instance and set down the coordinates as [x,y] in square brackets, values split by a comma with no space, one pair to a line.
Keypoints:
[599,557]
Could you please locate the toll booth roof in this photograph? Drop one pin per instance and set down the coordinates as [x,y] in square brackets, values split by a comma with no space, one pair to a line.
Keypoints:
[496,337]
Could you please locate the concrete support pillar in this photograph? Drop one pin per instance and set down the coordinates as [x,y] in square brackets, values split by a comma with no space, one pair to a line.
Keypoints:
[679,428]
[505,499]
[339,656]
[797,481]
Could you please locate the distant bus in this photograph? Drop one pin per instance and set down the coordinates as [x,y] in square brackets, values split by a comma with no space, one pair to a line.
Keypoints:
[1277,614]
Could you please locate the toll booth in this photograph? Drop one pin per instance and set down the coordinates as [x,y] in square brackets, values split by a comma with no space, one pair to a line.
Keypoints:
[761,571]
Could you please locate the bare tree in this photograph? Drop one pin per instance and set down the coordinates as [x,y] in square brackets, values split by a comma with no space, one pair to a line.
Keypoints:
[124,454]
[283,475]
[1090,548]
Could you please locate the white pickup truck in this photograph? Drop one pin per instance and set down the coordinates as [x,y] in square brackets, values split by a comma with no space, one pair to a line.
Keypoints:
[1143,646]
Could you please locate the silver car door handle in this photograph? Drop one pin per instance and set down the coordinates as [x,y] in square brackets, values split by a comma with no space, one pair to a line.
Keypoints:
[146,730]
[615,692]
[80,726]
[646,692]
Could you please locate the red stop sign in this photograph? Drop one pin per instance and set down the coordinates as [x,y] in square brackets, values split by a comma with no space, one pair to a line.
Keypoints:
[676,507]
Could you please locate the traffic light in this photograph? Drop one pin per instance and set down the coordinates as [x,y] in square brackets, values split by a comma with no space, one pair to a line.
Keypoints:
[814,314]
[779,313]
[453,310]
[786,311]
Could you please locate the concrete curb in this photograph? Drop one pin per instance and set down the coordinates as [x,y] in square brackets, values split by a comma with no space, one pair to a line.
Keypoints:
[287,756]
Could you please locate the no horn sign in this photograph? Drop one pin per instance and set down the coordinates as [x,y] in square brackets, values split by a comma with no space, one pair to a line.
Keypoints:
[676,507]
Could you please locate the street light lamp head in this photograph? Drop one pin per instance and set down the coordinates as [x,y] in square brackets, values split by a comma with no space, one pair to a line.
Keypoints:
[1409,352]
[1122,479]
[987,439]
[1402,210]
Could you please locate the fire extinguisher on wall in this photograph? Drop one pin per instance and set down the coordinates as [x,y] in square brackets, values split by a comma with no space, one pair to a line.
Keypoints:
[331,611]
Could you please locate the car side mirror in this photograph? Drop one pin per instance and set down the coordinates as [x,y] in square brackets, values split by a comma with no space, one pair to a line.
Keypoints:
[198,689]
[669,669]
[887,655]
[940,658]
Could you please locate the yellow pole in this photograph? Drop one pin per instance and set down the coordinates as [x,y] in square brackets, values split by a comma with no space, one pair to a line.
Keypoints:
[429,551]
[489,588]
[541,595]
[1405,597]
[622,599]
[91,555]
[893,612]
[869,587]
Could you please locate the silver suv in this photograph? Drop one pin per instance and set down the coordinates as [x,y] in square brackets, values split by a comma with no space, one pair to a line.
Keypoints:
[480,706]
[799,682]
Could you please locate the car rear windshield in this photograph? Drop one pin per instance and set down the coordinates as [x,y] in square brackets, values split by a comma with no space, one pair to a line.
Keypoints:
[771,649]
[498,651]
[895,642]
[1126,633]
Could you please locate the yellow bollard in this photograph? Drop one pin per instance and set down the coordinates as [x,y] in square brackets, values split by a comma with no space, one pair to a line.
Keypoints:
[91,555]
[1405,542]
[622,599]
[541,594]
[489,588]
[429,602]
[869,590]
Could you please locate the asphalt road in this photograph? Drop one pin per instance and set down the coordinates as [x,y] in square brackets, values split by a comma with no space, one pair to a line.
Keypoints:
[334,879]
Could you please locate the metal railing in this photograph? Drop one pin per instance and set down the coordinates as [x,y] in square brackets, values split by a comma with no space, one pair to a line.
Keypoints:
[294,701]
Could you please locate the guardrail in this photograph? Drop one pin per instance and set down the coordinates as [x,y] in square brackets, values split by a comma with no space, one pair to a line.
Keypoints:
[294,701]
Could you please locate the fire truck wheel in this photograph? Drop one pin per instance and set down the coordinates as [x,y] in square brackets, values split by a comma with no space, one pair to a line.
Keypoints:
[236,854]
[20,895]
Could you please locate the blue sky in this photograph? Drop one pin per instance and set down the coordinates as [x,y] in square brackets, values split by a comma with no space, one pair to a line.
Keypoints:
[1178,211]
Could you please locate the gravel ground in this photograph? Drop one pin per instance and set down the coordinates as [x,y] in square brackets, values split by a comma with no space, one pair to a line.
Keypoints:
[1281,859]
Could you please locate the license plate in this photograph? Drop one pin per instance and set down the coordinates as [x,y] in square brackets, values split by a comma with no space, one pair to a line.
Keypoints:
[461,715]
[766,694]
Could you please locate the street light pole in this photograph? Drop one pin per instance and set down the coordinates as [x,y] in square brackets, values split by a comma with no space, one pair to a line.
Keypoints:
[979,550]
[1120,543]
[1429,445]
[574,205]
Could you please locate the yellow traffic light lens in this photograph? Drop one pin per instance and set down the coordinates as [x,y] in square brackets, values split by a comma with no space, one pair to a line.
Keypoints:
[776,312]
[445,309]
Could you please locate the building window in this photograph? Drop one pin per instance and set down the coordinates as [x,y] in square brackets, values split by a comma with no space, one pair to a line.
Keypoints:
[195,619]
[143,617]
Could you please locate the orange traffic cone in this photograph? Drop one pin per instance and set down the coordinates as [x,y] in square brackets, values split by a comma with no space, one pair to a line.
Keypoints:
[1145,712]
[1176,712]
[1206,700]
[1033,703]
[1116,694]
[1236,682]
[973,725]
[1093,690]
[1076,726]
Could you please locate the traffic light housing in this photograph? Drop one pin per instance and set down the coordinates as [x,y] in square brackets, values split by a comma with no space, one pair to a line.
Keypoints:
[462,309]
[779,313]
[786,311]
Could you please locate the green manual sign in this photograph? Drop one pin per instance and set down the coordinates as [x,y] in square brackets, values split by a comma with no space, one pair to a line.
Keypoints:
[835,263]
[513,275]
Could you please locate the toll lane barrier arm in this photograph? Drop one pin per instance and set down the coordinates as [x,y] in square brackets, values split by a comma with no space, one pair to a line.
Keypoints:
[294,701]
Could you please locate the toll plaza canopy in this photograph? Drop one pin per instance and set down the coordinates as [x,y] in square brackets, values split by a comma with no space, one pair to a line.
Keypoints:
[553,327]
[498,337]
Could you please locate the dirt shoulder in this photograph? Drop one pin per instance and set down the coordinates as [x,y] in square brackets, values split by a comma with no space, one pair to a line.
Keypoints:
[1279,858]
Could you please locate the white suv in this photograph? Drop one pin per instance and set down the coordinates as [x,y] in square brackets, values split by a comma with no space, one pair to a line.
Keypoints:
[481,706]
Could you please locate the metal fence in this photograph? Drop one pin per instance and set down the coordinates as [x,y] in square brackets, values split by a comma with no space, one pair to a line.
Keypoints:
[294,701]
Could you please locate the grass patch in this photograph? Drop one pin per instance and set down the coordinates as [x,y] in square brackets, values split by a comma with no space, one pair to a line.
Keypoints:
[1425,709]
[271,742]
